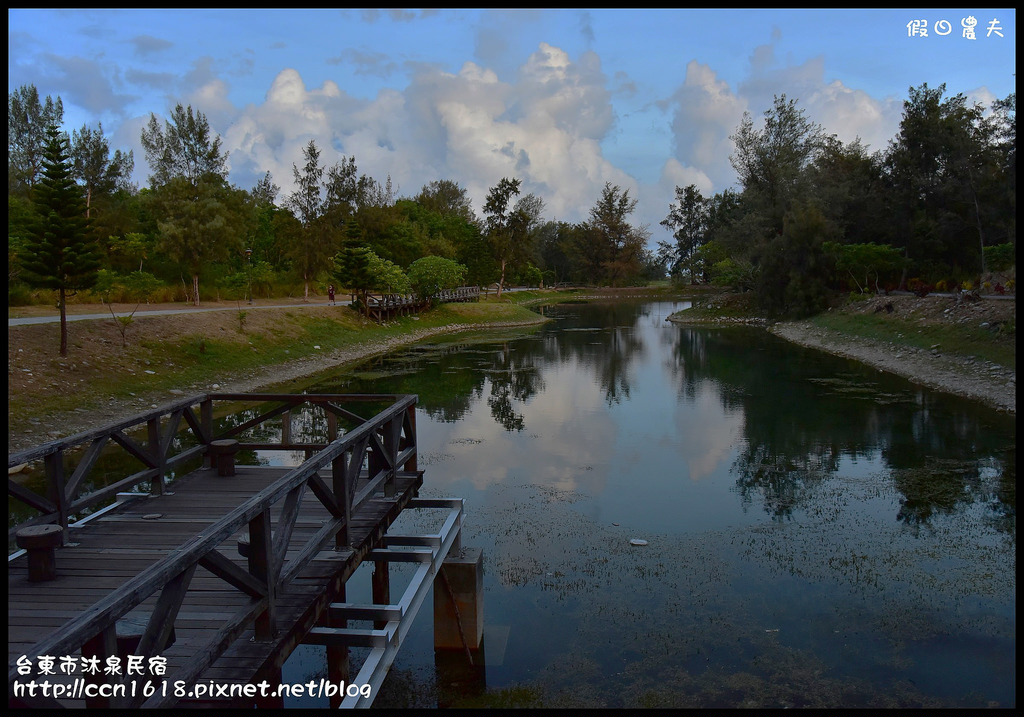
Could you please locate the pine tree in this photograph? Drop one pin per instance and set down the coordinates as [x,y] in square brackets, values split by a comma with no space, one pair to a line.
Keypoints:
[59,254]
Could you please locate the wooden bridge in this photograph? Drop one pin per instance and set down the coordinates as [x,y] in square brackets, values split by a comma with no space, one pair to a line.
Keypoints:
[210,571]
[381,307]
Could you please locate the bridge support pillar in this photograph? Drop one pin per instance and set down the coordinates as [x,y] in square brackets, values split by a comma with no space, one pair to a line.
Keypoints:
[458,601]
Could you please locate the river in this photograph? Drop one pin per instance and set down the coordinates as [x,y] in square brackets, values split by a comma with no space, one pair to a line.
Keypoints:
[819,533]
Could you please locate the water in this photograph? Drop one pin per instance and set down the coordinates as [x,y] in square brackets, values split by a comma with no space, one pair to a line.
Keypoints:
[819,533]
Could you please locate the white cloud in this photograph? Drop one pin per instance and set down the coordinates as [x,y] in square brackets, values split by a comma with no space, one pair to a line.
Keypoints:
[472,127]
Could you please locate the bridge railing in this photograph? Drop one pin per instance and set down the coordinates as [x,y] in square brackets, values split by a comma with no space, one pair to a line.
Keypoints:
[383,306]
[154,457]
[383,444]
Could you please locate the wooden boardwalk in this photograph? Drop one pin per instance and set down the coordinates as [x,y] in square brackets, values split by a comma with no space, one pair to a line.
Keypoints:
[169,565]
[381,307]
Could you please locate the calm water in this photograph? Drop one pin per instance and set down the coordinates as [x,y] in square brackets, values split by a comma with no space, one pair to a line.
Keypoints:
[819,533]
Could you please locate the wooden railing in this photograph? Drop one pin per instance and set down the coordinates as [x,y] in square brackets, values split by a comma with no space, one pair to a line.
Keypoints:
[383,306]
[385,443]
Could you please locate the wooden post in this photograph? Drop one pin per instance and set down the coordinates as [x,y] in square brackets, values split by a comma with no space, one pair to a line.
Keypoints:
[40,543]
[153,434]
[458,601]
[55,488]
[100,647]
[261,558]
[337,657]
[286,428]
[206,422]
[381,589]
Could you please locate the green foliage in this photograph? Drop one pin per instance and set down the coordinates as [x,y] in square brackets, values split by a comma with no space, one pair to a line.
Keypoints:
[614,246]
[433,274]
[1000,257]
[58,254]
[688,220]
[136,286]
[27,121]
[359,269]
[793,280]
[880,261]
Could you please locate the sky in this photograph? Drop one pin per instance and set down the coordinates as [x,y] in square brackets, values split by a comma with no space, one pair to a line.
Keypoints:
[566,100]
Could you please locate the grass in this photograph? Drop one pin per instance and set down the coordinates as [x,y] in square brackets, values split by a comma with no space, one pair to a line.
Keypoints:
[966,340]
[210,350]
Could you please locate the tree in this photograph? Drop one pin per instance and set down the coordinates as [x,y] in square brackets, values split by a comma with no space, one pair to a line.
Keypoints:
[502,225]
[199,216]
[59,254]
[688,222]
[184,148]
[794,268]
[27,123]
[771,161]
[431,275]
[362,271]
[310,255]
[99,173]
[947,172]
[878,260]
[264,194]
[619,243]
[447,198]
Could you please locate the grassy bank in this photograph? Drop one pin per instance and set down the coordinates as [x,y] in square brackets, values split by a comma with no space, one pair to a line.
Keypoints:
[192,352]
[967,340]
[985,330]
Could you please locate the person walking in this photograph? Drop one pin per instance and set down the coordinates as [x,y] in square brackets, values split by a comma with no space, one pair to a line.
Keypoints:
[330,294]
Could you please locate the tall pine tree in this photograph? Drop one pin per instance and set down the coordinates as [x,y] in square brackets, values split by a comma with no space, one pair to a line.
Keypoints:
[59,254]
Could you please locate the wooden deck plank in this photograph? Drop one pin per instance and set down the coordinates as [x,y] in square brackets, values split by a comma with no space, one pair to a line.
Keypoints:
[109,551]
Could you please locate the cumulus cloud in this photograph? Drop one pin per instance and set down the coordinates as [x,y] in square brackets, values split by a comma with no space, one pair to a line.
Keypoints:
[706,111]
[544,128]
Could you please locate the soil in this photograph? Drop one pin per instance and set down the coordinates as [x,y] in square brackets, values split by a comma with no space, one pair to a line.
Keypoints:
[95,349]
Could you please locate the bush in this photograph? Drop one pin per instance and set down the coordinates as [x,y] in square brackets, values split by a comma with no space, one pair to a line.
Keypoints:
[1000,257]
[431,275]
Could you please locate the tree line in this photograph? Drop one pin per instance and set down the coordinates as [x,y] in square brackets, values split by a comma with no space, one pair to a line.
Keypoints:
[810,215]
[190,232]
[935,209]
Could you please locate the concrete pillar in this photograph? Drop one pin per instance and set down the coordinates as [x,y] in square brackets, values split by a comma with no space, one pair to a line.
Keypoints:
[458,601]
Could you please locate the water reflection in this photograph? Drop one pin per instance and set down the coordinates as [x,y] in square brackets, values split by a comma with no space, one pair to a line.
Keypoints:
[821,534]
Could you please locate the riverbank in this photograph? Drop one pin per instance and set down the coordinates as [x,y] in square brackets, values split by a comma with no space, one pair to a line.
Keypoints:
[163,357]
[967,349]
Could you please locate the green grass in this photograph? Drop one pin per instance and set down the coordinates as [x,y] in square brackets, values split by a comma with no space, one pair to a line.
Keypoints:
[966,340]
[197,360]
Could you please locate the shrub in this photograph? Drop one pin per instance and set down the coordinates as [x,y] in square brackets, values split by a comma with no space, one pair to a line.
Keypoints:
[431,275]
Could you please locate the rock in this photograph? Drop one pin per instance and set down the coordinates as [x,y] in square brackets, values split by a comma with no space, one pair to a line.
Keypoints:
[17,469]
[637,541]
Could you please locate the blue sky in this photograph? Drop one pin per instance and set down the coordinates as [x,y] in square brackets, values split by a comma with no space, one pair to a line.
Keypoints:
[566,100]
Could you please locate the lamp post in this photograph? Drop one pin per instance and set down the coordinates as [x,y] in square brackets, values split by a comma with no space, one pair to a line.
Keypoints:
[248,271]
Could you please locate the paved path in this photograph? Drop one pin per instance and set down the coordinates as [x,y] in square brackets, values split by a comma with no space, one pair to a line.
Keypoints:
[140,314]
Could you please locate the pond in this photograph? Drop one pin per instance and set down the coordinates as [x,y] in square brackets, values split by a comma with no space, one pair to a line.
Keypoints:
[818,533]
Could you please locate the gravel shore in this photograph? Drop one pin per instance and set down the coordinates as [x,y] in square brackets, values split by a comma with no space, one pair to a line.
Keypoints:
[983,381]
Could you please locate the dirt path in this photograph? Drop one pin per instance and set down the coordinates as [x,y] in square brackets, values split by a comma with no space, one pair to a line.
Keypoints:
[986,382]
